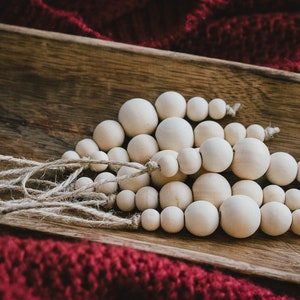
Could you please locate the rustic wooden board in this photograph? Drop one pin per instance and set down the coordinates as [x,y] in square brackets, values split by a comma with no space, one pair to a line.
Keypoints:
[55,88]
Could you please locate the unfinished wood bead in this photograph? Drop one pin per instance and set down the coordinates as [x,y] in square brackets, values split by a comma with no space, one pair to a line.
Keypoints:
[170,104]
[109,134]
[172,219]
[84,182]
[283,168]
[125,200]
[292,199]
[255,131]
[174,134]
[150,219]
[251,159]
[197,109]
[234,132]
[217,108]
[295,227]
[138,116]
[175,193]
[212,187]
[117,154]
[239,216]
[99,155]
[189,160]
[276,218]
[70,155]
[201,218]
[273,192]
[106,183]
[146,197]
[86,147]
[168,165]
[207,129]
[216,154]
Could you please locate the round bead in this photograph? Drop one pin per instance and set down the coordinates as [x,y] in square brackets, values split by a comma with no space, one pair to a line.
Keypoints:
[248,188]
[117,154]
[197,109]
[251,159]
[217,108]
[168,165]
[106,183]
[216,154]
[174,134]
[273,192]
[125,200]
[133,183]
[212,187]
[99,155]
[298,172]
[283,168]
[86,147]
[255,131]
[172,219]
[146,197]
[175,193]
[276,218]
[206,130]
[138,116]
[109,134]
[239,216]
[150,219]
[70,155]
[189,160]
[84,182]
[234,132]
[170,104]
[201,218]
[292,199]
[295,227]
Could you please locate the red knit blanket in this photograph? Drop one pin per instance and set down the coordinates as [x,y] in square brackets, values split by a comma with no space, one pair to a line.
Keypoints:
[261,32]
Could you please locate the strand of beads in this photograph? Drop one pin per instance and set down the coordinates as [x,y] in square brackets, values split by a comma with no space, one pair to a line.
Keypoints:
[189,185]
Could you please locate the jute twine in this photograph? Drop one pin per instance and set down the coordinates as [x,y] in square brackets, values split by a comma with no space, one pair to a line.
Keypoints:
[58,200]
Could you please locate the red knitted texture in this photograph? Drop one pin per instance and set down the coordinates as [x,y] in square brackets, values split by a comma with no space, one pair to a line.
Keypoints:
[253,31]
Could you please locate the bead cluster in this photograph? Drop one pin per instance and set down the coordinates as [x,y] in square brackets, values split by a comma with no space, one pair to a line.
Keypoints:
[193,154]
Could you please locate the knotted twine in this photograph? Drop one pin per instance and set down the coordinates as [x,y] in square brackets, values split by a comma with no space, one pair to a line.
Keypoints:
[59,201]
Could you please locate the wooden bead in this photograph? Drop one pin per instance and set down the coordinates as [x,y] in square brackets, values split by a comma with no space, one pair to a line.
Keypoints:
[234,132]
[273,192]
[292,199]
[172,219]
[239,216]
[168,165]
[125,200]
[283,169]
[106,183]
[109,134]
[251,159]
[298,172]
[207,129]
[212,187]
[70,155]
[117,154]
[189,160]
[216,154]
[146,197]
[201,218]
[84,182]
[295,227]
[276,218]
[150,219]
[99,155]
[170,104]
[86,147]
[255,131]
[197,109]
[138,116]
[217,108]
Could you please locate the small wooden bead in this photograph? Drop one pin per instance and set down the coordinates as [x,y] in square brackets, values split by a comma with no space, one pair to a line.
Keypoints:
[207,129]
[189,160]
[105,187]
[117,154]
[172,219]
[170,104]
[212,187]
[125,200]
[217,108]
[175,193]
[273,192]
[84,182]
[234,132]
[141,148]
[168,165]
[109,134]
[248,188]
[239,216]
[174,134]
[86,147]
[146,197]
[70,155]
[201,218]
[216,154]
[197,109]
[283,169]
[255,131]
[150,219]
[99,155]
[138,116]
[276,218]
[295,227]
[292,199]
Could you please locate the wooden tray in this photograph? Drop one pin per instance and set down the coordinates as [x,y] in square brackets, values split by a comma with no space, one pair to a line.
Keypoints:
[55,88]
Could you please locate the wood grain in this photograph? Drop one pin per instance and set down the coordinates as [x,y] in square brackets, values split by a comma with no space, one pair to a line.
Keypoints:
[55,88]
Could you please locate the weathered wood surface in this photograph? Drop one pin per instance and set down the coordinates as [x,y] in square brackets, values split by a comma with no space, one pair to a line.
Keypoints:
[54,89]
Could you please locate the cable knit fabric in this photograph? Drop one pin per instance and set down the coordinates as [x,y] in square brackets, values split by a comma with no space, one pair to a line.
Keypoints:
[261,32]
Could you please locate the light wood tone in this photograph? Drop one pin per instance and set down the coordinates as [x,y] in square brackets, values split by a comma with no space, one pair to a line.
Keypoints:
[55,88]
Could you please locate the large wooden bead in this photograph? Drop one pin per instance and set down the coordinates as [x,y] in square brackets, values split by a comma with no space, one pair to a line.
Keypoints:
[207,129]
[251,159]
[234,132]
[174,134]
[106,183]
[292,199]
[168,165]
[86,147]
[138,116]
[146,197]
[283,169]
[273,192]
[197,109]
[216,154]
[189,160]
[170,104]
[212,187]
[125,200]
